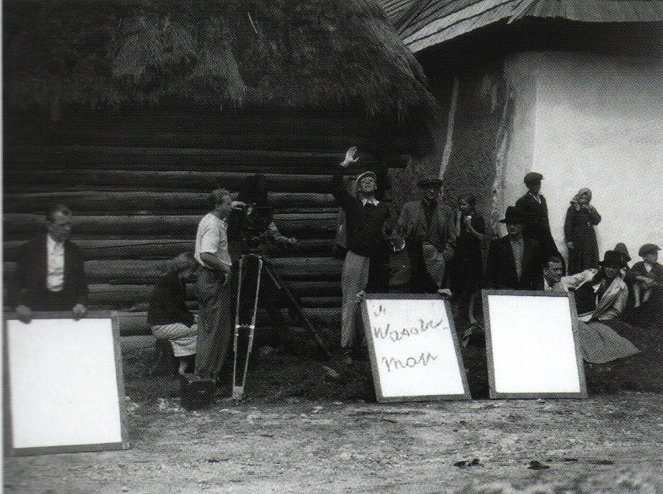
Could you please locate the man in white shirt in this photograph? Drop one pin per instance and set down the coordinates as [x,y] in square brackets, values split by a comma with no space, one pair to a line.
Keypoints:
[554,281]
[50,273]
[215,292]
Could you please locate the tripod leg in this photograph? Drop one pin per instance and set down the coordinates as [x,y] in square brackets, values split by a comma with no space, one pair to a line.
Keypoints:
[292,301]
[245,319]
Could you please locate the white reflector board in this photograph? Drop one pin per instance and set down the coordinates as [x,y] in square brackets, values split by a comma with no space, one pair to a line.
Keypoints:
[413,347]
[531,345]
[64,388]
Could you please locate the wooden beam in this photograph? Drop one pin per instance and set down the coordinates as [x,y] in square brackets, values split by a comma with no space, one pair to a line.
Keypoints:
[135,323]
[142,201]
[22,180]
[146,272]
[75,156]
[311,225]
[160,248]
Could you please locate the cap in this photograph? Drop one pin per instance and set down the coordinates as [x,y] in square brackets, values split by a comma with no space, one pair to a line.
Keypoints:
[533,177]
[648,249]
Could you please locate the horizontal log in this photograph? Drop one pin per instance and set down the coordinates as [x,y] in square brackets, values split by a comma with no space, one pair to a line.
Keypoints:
[146,201]
[279,141]
[160,249]
[310,225]
[76,156]
[130,295]
[22,180]
[145,272]
[135,323]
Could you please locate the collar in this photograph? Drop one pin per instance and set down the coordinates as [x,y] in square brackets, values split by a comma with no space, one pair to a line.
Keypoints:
[537,198]
[52,243]
[373,201]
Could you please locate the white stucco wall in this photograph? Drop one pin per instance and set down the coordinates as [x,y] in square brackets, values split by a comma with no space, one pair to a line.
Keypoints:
[591,121]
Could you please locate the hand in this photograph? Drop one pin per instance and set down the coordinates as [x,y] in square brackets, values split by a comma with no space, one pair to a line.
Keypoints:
[237,204]
[569,244]
[444,292]
[467,220]
[350,157]
[360,296]
[79,311]
[24,313]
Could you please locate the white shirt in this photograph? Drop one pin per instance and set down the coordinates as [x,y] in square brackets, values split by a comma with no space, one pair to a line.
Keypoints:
[212,237]
[372,201]
[55,265]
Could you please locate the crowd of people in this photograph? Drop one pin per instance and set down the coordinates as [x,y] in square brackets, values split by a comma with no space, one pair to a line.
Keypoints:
[427,248]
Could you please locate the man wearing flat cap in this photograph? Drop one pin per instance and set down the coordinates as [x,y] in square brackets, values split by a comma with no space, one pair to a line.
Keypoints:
[646,277]
[431,222]
[367,248]
[514,261]
[535,209]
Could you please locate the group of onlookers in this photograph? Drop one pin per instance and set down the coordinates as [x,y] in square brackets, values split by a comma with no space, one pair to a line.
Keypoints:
[429,248]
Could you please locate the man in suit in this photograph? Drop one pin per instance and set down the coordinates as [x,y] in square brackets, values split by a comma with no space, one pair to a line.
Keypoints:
[431,222]
[514,261]
[535,209]
[50,275]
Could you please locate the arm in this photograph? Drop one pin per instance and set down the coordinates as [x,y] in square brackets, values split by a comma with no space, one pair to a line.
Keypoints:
[492,266]
[568,227]
[594,216]
[480,228]
[215,263]
[274,232]
[80,283]
[17,292]
[450,234]
[618,307]
[339,190]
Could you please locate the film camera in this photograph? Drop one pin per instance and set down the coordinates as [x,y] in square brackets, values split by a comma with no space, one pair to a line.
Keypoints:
[252,223]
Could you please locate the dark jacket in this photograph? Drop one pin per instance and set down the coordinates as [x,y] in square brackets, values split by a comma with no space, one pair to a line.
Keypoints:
[537,226]
[501,269]
[29,284]
[168,302]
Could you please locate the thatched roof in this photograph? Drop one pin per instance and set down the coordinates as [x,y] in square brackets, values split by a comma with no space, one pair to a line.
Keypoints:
[217,53]
[425,23]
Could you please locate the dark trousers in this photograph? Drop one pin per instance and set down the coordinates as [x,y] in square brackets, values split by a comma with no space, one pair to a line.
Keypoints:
[46,300]
[215,321]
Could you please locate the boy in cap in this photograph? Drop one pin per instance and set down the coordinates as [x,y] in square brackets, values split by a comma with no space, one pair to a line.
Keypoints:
[367,249]
[647,277]
[535,210]
[431,222]
[514,261]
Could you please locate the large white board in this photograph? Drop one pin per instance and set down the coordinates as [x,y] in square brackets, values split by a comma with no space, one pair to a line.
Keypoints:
[531,345]
[414,349]
[64,386]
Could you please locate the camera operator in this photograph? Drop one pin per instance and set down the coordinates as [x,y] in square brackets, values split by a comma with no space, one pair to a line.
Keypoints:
[252,231]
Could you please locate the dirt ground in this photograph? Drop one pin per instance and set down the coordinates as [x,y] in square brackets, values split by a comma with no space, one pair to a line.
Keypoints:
[312,426]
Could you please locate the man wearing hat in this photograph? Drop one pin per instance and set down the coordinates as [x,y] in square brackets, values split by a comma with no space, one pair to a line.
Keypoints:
[367,248]
[535,209]
[431,222]
[514,261]
[647,277]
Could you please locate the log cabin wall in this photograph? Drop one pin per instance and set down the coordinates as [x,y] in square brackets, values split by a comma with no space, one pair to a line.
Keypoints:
[137,183]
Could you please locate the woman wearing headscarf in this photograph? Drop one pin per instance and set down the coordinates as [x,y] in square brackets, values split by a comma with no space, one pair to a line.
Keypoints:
[581,217]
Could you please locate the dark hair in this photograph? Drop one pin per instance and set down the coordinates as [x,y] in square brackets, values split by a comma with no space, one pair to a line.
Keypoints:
[554,258]
[58,208]
[183,261]
[218,196]
[469,198]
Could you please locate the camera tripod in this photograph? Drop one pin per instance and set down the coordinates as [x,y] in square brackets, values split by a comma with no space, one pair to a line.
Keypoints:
[251,268]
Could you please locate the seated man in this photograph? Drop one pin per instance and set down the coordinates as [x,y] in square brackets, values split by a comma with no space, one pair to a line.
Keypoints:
[514,261]
[168,315]
[647,276]
[50,274]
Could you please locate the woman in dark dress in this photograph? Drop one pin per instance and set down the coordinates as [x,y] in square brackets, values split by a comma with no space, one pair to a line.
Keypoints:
[467,266]
[579,233]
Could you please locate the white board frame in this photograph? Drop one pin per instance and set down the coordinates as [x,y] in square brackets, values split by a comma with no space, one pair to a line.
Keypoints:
[10,449]
[377,381]
[582,393]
